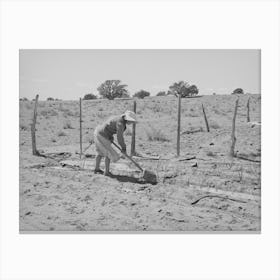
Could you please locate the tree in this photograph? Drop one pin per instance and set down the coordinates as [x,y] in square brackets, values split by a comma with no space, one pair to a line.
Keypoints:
[141,94]
[111,89]
[50,99]
[89,96]
[183,88]
[238,91]
[161,93]
[179,88]
[191,91]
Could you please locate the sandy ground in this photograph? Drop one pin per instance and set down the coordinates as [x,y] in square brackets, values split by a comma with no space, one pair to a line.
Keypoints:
[61,192]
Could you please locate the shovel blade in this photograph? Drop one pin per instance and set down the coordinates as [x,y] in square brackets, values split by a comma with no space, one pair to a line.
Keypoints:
[150,177]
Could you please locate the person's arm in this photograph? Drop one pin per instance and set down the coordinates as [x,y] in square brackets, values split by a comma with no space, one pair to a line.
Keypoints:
[120,131]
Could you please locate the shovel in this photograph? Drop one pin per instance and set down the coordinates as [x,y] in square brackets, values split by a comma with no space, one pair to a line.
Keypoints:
[148,176]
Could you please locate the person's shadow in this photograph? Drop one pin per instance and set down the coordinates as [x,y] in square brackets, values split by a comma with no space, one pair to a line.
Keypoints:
[124,178]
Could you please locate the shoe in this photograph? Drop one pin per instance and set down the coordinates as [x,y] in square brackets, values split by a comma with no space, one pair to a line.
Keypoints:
[98,171]
[108,174]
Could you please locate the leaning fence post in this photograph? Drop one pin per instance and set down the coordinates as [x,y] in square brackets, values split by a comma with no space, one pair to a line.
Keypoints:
[233,138]
[179,125]
[132,150]
[248,110]
[205,118]
[33,128]
[81,145]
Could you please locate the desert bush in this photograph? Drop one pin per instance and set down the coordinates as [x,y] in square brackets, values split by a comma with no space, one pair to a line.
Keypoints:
[61,133]
[23,127]
[210,154]
[161,93]
[215,125]
[238,91]
[141,94]
[89,96]
[68,125]
[154,134]
[48,112]
[28,106]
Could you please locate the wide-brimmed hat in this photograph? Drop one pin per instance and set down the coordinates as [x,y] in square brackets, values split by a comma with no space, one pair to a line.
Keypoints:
[130,116]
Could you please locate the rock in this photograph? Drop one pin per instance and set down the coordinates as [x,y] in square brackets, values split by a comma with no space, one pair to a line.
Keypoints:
[195,165]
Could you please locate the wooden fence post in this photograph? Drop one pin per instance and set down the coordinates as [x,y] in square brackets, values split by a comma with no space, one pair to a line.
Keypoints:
[33,128]
[81,145]
[179,125]
[205,118]
[248,110]
[132,150]
[233,138]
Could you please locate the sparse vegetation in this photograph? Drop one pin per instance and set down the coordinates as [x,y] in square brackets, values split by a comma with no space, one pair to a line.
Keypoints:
[161,93]
[61,133]
[154,134]
[141,94]
[238,91]
[67,125]
[89,96]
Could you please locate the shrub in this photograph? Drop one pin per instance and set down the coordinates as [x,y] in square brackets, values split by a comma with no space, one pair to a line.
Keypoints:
[238,91]
[28,106]
[161,93]
[89,96]
[154,134]
[141,94]
[23,127]
[61,133]
[68,125]
[50,99]
[48,112]
[214,125]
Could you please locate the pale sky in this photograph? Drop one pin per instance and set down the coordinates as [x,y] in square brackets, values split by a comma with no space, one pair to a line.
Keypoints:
[70,74]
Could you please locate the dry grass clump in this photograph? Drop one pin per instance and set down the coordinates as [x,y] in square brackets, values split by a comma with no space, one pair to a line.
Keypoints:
[61,133]
[215,125]
[67,112]
[23,127]
[154,134]
[68,125]
[28,106]
[48,112]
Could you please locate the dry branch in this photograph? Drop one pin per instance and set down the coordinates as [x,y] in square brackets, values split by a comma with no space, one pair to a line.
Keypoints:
[33,128]
[233,138]
[249,159]
[218,196]
[205,118]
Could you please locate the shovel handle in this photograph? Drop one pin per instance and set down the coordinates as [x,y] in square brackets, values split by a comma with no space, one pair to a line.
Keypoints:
[128,157]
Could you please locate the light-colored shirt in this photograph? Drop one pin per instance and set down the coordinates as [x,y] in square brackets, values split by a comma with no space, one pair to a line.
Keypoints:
[114,125]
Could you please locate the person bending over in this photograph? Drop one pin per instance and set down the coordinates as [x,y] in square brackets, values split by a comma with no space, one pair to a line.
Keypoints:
[104,136]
